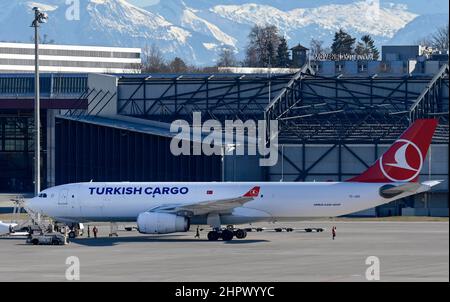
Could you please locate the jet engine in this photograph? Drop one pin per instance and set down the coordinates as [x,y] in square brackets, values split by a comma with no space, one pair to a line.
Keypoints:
[6,228]
[162,223]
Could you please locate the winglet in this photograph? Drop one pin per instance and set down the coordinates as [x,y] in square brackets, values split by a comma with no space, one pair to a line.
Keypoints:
[254,192]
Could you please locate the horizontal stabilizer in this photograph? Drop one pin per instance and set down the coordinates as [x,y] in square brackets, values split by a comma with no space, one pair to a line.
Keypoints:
[389,191]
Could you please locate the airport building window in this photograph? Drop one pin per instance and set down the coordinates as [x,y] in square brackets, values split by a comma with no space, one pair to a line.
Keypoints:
[14,134]
[67,63]
[362,67]
[339,67]
[16,150]
[71,53]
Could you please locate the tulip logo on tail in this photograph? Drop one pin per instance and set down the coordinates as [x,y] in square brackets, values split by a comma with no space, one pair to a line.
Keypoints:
[403,162]
[254,192]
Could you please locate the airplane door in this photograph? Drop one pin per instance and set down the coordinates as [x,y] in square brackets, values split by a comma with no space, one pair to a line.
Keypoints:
[62,199]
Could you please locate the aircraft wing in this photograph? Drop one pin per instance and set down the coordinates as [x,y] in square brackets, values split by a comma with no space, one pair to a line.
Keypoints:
[209,206]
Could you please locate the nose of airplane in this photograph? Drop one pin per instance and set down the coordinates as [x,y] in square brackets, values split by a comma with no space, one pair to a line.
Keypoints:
[33,204]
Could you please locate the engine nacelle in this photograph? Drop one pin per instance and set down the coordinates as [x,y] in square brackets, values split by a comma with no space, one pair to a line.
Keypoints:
[6,228]
[161,223]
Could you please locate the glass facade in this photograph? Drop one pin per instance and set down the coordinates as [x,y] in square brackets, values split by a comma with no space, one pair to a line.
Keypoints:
[17,150]
[11,85]
[70,58]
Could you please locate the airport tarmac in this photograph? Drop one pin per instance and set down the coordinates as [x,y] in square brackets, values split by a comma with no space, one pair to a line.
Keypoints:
[407,251]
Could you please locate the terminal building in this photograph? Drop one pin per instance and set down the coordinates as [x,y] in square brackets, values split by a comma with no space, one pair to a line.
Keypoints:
[19,57]
[106,127]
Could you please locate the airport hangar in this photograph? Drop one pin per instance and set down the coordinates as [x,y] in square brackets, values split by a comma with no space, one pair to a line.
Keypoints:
[107,127]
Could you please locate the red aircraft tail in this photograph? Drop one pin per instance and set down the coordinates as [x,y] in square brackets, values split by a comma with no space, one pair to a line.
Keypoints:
[403,161]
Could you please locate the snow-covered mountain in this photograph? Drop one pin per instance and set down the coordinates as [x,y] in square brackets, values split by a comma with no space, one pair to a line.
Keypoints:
[421,27]
[101,22]
[197,29]
[303,24]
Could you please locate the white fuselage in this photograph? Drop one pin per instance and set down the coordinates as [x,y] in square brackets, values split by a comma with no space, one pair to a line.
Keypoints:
[124,201]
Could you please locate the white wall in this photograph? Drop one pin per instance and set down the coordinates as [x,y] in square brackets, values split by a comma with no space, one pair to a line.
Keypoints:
[107,84]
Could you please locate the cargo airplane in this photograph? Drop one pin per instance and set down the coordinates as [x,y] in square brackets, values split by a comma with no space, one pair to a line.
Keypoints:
[169,207]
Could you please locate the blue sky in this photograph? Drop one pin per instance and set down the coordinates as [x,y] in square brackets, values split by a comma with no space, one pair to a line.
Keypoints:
[417,6]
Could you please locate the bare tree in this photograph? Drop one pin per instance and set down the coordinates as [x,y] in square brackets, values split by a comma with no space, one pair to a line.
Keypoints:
[423,42]
[226,58]
[439,40]
[316,48]
[262,47]
[153,60]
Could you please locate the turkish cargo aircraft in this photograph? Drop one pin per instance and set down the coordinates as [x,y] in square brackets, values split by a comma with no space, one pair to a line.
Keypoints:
[162,208]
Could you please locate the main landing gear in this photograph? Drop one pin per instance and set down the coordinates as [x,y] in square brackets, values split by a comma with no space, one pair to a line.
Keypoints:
[226,234]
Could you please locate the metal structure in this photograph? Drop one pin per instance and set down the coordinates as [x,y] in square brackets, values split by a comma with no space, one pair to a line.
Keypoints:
[39,18]
[17,136]
[218,96]
[309,108]
[317,109]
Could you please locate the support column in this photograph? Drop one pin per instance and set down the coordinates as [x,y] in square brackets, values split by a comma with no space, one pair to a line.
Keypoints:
[51,148]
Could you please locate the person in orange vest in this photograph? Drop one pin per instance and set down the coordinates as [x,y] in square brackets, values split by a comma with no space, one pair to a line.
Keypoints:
[333,232]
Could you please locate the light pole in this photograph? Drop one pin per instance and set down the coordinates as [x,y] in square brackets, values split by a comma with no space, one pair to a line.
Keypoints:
[39,18]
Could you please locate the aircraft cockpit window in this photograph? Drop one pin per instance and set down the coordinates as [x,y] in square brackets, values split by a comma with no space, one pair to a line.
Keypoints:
[42,195]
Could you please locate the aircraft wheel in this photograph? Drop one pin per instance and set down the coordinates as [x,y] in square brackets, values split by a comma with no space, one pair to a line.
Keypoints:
[240,234]
[72,234]
[227,235]
[213,236]
[35,241]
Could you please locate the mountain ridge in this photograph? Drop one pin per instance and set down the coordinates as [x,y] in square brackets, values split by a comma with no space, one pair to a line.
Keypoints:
[197,31]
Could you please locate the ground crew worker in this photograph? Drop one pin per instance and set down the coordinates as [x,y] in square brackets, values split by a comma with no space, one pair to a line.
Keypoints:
[95,230]
[333,232]
[89,231]
[197,234]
